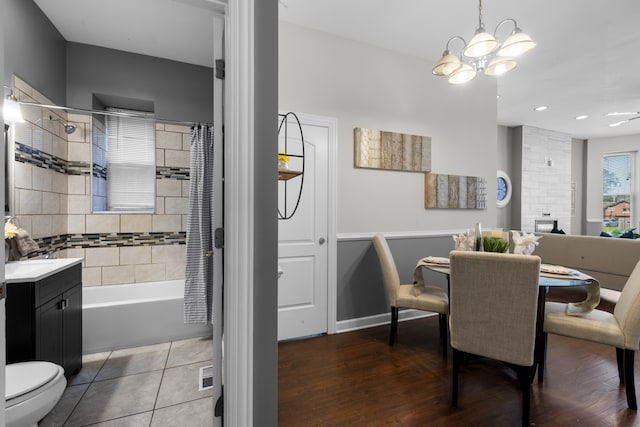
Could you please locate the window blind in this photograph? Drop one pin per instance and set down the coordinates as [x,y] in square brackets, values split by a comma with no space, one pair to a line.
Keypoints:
[131,162]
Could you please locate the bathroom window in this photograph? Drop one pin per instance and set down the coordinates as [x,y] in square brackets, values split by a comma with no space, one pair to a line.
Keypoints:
[124,163]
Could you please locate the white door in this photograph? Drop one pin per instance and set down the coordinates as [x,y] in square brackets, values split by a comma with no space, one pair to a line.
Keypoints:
[302,239]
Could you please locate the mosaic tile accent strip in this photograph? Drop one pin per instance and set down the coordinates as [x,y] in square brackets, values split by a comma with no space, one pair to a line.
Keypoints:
[38,158]
[172,173]
[35,157]
[105,240]
[379,149]
[454,192]
[99,171]
[101,240]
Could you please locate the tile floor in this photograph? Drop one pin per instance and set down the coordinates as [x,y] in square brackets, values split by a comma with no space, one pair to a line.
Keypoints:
[150,386]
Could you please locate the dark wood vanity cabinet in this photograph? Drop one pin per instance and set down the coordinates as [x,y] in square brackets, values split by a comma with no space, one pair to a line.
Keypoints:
[44,320]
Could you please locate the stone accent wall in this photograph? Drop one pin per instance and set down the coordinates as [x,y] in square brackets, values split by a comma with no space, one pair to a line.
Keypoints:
[546,178]
[53,192]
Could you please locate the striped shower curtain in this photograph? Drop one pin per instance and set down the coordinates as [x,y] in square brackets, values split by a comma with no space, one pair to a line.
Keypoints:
[198,286]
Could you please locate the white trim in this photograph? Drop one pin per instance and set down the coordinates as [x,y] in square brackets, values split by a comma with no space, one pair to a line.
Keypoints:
[239,215]
[379,320]
[332,221]
[345,237]
[219,24]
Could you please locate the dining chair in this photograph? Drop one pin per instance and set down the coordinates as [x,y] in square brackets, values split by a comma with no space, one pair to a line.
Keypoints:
[432,298]
[492,313]
[620,329]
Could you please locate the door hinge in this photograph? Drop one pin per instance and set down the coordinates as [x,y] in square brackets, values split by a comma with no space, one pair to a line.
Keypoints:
[218,238]
[220,69]
[218,411]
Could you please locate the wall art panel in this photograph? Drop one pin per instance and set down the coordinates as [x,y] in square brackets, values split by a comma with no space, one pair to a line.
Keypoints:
[378,149]
[454,192]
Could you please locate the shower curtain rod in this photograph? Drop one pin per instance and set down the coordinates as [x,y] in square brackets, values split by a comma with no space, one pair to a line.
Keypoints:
[115,113]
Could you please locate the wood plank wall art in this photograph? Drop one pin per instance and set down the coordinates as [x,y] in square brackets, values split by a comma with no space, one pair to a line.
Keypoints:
[454,192]
[378,149]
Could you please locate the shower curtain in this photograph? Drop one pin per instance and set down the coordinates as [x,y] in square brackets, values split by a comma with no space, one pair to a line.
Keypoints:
[198,286]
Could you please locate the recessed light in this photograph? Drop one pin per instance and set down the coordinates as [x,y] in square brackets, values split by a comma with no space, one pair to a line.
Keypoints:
[581,117]
[497,96]
[540,108]
[618,123]
[623,113]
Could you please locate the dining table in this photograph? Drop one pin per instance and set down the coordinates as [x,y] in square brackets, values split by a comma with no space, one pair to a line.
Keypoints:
[551,276]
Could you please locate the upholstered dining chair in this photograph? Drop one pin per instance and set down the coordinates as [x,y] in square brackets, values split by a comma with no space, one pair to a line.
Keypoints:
[432,298]
[492,313]
[620,329]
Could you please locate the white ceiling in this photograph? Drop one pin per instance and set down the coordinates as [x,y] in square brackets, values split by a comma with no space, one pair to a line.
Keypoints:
[587,60]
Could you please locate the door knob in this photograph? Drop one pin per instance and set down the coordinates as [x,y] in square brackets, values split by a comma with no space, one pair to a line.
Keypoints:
[321,240]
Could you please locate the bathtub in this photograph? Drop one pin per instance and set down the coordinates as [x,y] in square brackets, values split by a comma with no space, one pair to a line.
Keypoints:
[131,315]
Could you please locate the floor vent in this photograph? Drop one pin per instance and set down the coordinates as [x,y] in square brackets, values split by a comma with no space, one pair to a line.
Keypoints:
[206,378]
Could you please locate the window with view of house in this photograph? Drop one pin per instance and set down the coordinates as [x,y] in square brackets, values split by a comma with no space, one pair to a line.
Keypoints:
[617,192]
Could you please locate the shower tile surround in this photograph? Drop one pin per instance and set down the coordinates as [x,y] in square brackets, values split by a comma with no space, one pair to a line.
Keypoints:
[53,190]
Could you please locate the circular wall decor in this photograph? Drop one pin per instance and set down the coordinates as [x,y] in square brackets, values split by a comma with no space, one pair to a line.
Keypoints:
[503,189]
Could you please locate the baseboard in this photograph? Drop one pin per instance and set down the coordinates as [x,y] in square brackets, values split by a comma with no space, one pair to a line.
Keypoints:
[378,320]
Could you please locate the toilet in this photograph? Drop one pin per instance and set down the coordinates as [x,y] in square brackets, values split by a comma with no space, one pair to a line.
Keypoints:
[32,391]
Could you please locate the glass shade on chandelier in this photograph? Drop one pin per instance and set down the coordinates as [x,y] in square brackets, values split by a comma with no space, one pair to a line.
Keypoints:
[483,53]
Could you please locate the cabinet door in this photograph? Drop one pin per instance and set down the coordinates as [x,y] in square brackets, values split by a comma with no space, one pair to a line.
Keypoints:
[20,322]
[49,328]
[72,330]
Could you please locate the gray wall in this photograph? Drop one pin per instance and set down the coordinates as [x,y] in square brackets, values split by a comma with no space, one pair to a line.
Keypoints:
[70,73]
[178,91]
[265,291]
[578,151]
[361,290]
[516,177]
[505,154]
[366,86]
[34,50]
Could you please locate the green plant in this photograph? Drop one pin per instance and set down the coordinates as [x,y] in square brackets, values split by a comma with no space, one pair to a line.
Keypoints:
[495,244]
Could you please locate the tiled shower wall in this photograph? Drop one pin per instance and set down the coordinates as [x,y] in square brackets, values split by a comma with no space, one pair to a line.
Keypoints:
[52,190]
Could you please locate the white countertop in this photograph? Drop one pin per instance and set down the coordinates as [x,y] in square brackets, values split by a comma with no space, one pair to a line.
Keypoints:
[33,270]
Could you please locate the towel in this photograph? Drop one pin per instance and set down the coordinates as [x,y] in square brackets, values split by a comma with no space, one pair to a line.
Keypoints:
[24,243]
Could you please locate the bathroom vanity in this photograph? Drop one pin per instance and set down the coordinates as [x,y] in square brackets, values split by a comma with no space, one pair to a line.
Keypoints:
[44,312]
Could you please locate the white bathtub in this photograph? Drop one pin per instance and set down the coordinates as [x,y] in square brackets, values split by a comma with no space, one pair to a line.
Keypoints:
[131,315]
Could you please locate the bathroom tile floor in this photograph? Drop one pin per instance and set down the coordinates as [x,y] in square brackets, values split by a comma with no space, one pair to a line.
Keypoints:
[150,386]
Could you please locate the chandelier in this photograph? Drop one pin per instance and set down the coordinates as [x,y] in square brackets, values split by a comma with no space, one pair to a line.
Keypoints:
[483,53]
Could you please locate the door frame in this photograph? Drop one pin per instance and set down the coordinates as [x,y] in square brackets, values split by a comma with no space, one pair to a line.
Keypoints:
[331,123]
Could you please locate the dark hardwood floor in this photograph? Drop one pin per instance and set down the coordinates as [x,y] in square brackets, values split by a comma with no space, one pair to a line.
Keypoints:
[357,379]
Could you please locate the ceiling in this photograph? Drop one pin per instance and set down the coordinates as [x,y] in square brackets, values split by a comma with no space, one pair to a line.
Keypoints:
[586,62]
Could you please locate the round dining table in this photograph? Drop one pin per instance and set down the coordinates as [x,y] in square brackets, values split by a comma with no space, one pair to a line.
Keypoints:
[553,277]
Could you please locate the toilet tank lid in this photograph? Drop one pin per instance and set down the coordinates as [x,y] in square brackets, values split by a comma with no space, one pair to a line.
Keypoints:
[24,377]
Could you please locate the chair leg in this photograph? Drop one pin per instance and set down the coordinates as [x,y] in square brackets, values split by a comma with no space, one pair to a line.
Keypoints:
[542,355]
[620,360]
[394,325]
[629,383]
[525,383]
[444,334]
[454,383]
